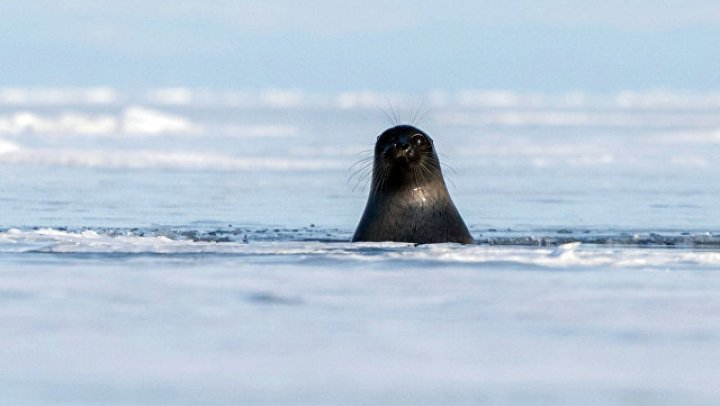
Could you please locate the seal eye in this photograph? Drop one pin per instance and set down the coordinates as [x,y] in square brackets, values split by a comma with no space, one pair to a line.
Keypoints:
[418,139]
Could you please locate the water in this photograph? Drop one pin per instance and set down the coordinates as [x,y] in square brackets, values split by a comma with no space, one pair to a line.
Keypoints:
[179,246]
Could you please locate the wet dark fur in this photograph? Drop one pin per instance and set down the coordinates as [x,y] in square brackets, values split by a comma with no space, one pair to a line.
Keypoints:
[408,200]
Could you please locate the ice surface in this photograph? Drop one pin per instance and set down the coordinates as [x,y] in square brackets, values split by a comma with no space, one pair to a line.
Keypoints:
[601,250]
[340,323]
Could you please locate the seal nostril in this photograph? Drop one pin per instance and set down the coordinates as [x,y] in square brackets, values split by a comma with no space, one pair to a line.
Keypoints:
[403,146]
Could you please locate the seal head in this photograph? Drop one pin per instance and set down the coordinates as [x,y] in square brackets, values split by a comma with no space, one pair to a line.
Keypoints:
[409,201]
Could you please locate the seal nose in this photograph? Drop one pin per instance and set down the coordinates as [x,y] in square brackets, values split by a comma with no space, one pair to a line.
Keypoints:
[402,150]
[402,146]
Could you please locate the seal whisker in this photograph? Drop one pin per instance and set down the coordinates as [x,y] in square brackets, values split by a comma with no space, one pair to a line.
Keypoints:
[416,112]
[362,179]
[398,114]
[375,184]
[446,175]
[418,176]
[425,172]
[361,162]
[382,177]
[449,167]
[365,159]
[423,115]
[433,171]
[411,118]
[392,110]
[355,187]
[390,120]
[452,182]
[361,173]
[361,166]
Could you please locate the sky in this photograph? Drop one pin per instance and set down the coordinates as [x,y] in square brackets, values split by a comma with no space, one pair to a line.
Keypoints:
[391,45]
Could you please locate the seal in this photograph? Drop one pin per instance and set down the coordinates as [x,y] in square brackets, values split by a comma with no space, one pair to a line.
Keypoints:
[409,201]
